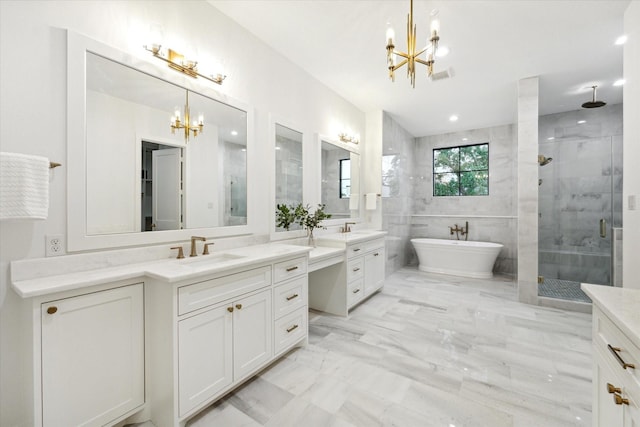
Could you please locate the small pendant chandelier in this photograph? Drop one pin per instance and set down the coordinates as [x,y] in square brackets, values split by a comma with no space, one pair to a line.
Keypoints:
[411,57]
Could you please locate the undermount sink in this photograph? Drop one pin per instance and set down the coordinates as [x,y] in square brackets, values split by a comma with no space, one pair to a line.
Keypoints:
[210,259]
[363,231]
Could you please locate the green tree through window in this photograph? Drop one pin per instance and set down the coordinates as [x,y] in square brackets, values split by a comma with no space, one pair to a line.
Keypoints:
[461,171]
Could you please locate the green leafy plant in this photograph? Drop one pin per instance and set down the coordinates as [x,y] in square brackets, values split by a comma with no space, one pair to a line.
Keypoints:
[300,214]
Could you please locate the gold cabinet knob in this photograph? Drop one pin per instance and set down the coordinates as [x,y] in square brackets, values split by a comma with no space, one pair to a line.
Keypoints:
[230,309]
[52,310]
[239,306]
[613,389]
[619,400]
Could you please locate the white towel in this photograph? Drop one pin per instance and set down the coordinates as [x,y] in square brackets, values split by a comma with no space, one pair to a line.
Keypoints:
[24,186]
[370,201]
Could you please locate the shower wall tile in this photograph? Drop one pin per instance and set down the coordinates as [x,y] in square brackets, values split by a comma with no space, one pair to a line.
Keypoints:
[577,190]
[396,206]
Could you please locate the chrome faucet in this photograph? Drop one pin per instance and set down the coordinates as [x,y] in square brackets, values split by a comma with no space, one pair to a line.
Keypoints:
[193,244]
[463,231]
[346,228]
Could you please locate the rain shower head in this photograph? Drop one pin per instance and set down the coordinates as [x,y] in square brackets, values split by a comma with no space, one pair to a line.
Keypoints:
[542,160]
[593,103]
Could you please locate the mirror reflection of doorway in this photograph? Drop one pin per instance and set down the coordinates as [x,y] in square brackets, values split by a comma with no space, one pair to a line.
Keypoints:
[161,187]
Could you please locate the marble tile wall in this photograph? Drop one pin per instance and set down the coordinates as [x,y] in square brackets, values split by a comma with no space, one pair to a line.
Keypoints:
[491,218]
[582,185]
[527,194]
[288,171]
[397,200]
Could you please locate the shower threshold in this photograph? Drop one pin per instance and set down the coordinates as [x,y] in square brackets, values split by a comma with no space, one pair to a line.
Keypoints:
[562,289]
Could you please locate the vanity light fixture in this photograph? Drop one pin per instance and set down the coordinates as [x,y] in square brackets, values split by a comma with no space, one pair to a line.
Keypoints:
[186,124]
[412,55]
[178,62]
[345,137]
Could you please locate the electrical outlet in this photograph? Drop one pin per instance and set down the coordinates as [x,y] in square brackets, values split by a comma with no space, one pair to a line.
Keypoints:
[54,244]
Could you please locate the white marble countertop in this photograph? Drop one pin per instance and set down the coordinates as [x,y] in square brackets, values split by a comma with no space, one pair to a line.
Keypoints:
[351,237]
[621,305]
[170,270]
[320,253]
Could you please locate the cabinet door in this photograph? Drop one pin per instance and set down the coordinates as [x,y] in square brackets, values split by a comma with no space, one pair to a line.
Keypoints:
[204,356]
[92,357]
[373,271]
[252,333]
[605,412]
[632,412]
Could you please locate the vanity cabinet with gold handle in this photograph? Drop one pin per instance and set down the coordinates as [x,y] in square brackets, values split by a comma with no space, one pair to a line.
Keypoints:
[616,381]
[83,336]
[210,334]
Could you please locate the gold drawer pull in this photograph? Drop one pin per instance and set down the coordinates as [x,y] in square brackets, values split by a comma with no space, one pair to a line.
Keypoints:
[295,267]
[615,351]
[356,249]
[230,309]
[355,291]
[619,400]
[356,269]
[239,306]
[292,297]
[376,254]
[52,310]
[613,389]
[292,328]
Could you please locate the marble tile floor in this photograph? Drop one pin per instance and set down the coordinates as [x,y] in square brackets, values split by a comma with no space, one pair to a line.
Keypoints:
[428,350]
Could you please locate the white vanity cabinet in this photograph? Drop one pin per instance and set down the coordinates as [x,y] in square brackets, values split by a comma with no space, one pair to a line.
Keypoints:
[337,288]
[208,335]
[92,356]
[616,367]
[221,345]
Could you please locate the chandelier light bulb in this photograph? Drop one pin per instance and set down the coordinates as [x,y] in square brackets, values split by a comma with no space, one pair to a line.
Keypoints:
[390,35]
[435,27]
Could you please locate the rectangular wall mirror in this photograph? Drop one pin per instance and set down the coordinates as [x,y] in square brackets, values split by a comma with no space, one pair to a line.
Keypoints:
[137,167]
[340,188]
[288,169]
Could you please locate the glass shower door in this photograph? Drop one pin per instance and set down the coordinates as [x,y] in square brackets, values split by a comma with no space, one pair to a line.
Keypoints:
[576,194]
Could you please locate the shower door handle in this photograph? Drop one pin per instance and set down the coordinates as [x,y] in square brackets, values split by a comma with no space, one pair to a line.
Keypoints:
[603,228]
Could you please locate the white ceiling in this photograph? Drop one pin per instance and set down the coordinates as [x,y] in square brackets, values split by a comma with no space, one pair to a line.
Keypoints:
[569,44]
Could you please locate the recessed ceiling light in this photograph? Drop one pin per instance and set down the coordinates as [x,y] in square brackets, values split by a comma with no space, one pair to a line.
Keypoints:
[244,149]
[551,138]
[580,122]
[442,51]
[277,148]
[234,132]
[453,118]
[619,82]
[621,40]
[465,139]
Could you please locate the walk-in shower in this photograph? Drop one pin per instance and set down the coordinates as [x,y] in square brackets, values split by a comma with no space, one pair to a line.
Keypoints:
[579,201]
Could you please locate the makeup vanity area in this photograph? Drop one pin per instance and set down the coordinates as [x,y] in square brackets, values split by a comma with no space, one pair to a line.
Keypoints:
[121,330]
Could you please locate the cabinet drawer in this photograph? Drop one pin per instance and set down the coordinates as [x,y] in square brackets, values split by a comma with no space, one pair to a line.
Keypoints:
[290,329]
[619,349]
[355,292]
[288,269]
[289,296]
[355,250]
[373,245]
[198,295]
[355,269]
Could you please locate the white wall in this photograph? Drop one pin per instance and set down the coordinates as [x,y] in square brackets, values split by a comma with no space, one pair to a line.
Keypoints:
[33,121]
[631,172]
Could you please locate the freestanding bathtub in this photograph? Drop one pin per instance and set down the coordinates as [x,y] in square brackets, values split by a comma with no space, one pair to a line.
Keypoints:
[457,257]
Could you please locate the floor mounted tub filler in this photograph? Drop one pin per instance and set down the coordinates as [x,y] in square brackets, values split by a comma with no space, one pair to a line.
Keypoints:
[457,257]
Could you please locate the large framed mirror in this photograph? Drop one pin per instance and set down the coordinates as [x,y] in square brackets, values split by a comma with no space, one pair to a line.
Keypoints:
[139,170]
[340,179]
[289,169]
